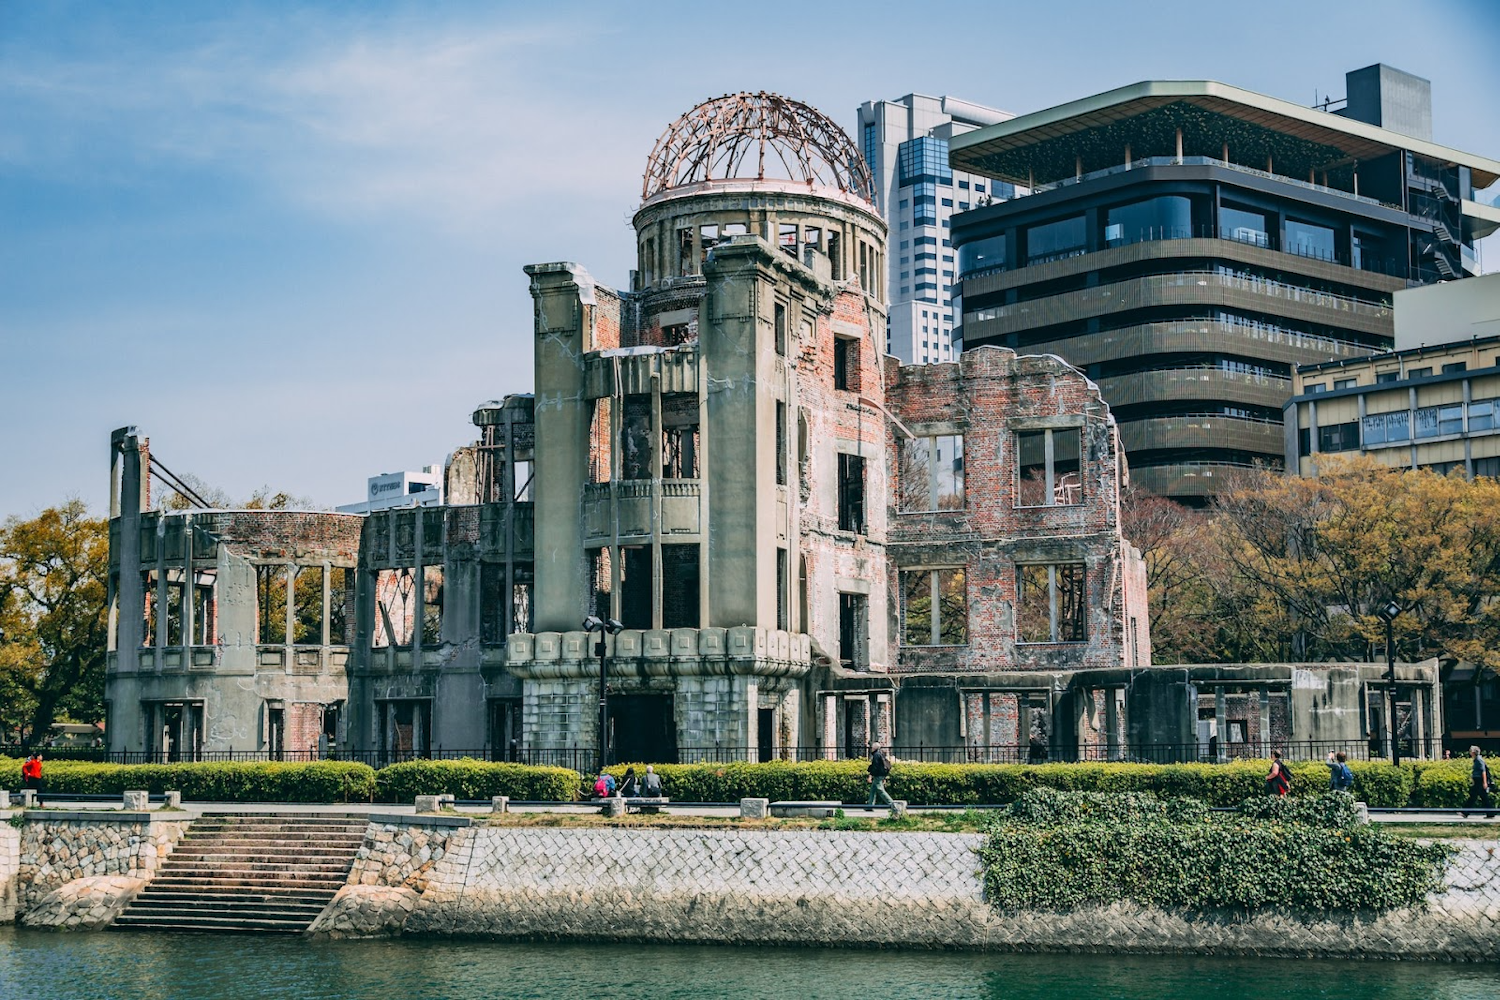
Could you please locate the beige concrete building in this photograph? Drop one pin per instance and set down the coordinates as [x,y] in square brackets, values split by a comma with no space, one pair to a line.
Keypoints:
[1432,403]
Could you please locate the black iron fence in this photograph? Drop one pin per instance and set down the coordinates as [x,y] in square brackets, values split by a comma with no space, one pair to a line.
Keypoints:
[585,759]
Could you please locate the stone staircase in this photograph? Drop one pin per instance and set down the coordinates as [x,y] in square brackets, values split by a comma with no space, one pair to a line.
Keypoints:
[249,872]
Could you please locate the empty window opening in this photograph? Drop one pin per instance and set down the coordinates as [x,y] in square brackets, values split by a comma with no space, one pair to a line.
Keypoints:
[804,619]
[803,452]
[851,493]
[679,436]
[932,473]
[307,599]
[648,259]
[405,729]
[835,258]
[1048,468]
[845,363]
[521,477]
[174,607]
[676,334]
[708,238]
[1050,603]
[736,229]
[679,586]
[780,329]
[395,607]
[601,587]
[786,237]
[636,586]
[812,236]
[432,605]
[685,252]
[340,596]
[205,608]
[853,631]
[635,438]
[599,442]
[148,609]
[521,599]
[780,443]
[934,607]
[782,595]
[270,589]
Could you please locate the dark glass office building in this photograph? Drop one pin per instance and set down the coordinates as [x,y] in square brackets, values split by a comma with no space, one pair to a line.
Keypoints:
[1187,244]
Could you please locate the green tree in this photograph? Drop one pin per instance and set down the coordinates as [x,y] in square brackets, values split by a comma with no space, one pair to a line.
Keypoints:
[53,618]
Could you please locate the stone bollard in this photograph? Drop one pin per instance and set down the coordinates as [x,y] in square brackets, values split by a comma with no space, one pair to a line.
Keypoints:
[174,801]
[500,804]
[898,808]
[137,801]
[4,799]
[614,805]
[1362,814]
[429,803]
[755,808]
[28,798]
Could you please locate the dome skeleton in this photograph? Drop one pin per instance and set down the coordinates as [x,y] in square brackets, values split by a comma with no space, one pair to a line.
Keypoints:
[713,141]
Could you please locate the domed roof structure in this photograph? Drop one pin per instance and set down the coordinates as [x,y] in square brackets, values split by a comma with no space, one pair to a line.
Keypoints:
[756,136]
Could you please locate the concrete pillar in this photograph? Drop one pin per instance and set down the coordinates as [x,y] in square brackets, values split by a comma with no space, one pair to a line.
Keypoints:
[1219,721]
[1264,734]
[755,808]
[565,299]
[1112,708]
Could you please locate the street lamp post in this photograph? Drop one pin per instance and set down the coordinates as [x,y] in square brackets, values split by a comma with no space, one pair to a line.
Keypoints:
[593,624]
[1388,614]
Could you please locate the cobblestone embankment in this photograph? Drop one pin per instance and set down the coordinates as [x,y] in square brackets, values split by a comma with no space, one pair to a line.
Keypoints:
[79,869]
[828,888]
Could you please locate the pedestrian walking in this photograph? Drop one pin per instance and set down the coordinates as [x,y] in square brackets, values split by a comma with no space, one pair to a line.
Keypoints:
[31,775]
[1279,781]
[1479,783]
[1340,778]
[880,769]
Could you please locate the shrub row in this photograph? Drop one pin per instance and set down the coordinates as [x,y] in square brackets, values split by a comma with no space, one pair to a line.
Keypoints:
[475,779]
[272,781]
[1375,783]
[1102,853]
[1418,783]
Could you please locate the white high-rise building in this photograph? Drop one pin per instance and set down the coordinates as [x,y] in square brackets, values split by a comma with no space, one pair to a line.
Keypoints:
[905,142]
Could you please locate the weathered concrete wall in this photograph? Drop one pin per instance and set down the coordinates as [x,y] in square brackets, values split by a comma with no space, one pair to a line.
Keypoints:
[918,890]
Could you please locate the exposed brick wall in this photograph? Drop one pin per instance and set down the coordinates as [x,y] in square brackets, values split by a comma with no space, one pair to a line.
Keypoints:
[985,396]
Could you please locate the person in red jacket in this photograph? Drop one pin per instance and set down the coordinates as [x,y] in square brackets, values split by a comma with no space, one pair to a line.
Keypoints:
[31,775]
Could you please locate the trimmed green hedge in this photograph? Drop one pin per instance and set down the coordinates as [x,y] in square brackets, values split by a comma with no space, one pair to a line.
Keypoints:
[1098,856]
[984,784]
[270,781]
[475,779]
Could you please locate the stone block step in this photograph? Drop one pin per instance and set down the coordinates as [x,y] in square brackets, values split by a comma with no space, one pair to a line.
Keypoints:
[233,883]
[174,866]
[211,899]
[162,911]
[127,921]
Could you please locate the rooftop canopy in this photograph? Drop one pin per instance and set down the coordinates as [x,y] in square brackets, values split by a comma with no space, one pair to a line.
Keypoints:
[1047,146]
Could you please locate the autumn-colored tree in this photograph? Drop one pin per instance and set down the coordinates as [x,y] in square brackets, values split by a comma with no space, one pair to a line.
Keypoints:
[53,618]
[1318,557]
[1173,541]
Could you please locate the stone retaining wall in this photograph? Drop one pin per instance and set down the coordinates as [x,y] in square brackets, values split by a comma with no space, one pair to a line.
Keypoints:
[77,869]
[835,889]
[10,861]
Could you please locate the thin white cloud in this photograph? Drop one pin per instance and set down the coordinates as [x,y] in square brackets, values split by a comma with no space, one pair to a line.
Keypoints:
[458,123]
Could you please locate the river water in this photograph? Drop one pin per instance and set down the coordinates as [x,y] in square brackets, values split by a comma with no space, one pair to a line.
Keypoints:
[37,965]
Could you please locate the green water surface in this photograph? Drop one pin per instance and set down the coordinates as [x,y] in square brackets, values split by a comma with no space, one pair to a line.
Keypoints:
[36,965]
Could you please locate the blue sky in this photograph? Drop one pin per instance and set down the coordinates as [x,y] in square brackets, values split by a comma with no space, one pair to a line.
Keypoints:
[286,240]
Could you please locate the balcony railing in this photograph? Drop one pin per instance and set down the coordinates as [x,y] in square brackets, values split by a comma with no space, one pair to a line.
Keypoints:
[1209,161]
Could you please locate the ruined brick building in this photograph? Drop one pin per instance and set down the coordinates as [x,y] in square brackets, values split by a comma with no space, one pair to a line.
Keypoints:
[807,545]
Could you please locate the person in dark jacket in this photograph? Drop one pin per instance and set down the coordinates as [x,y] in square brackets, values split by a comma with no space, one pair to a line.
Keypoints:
[880,769]
[629,787]
[1479,783]
[1279,781]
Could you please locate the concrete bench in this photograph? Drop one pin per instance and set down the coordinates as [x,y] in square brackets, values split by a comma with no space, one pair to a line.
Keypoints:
[646,803]
[812,809]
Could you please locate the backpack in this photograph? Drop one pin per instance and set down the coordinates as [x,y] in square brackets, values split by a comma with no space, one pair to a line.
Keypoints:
[879,766]
[1346,777]
[601,788]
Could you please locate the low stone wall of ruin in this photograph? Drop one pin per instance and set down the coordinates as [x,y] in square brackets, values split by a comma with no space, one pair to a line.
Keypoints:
[79,869]
[922,890]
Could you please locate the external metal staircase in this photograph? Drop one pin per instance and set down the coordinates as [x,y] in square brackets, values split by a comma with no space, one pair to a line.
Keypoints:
[248,872]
